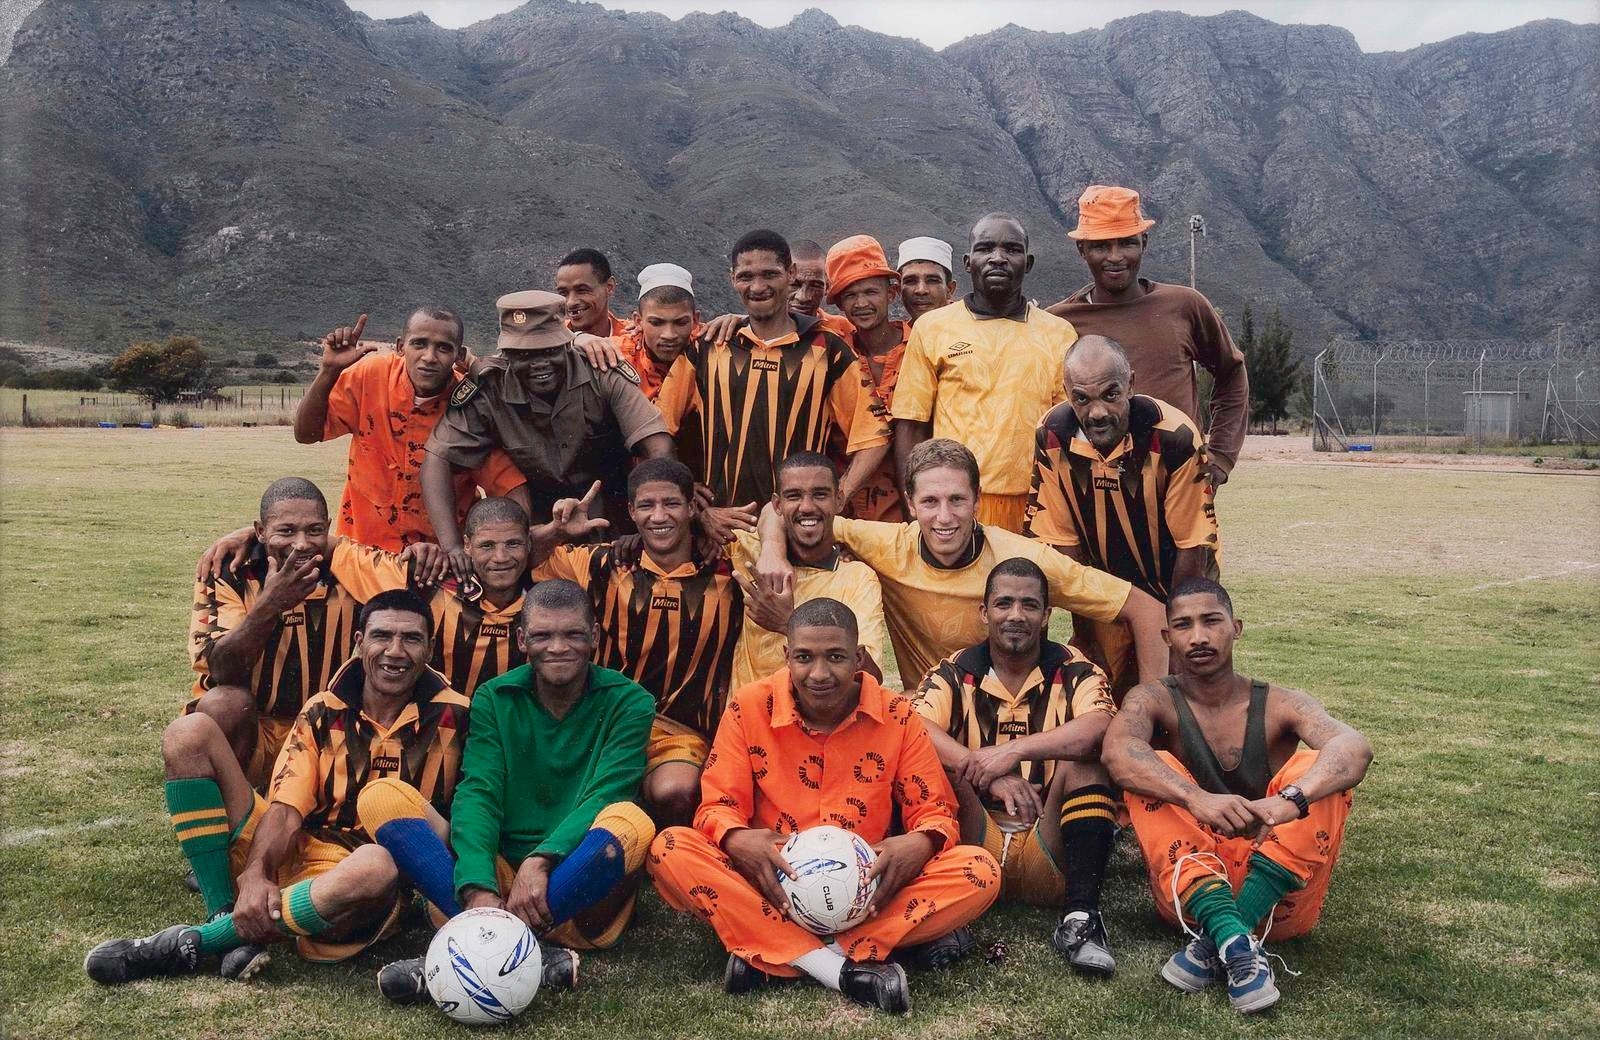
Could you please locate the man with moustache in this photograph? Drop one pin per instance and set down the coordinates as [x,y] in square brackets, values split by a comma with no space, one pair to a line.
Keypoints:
[1017,720]
[862,284]
[1234,833]
[389,404]
[982,371]
[1165,329]
[1120,483]
[564,423]
[927,279]
[809,288]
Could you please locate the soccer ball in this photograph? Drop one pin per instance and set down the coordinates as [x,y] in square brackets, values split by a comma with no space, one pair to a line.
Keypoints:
[830,890]
[483,967]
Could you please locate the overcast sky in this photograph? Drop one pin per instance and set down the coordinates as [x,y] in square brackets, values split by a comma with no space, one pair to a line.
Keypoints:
[1378,25]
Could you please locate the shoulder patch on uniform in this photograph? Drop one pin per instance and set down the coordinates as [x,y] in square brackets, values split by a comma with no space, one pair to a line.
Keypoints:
[465,391]
[628,372]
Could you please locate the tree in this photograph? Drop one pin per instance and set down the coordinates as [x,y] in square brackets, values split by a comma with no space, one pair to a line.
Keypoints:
[1274,370]
[159,372]
[265,359]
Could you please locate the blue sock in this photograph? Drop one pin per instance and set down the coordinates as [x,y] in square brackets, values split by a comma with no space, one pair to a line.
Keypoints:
[423,858]
[583,878]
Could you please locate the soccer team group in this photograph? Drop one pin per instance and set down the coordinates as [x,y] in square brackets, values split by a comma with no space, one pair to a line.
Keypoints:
[616,601]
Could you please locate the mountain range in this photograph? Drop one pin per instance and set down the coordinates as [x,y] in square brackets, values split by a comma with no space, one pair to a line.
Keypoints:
[257,172]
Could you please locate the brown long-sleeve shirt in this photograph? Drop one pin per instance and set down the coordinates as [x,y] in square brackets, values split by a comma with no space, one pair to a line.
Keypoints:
[1165,332]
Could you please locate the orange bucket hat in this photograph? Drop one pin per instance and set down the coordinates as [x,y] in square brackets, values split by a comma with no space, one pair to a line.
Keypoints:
[853,259]
[1106,211]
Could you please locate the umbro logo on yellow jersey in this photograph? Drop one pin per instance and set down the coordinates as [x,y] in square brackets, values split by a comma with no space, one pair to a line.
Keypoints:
[961,349]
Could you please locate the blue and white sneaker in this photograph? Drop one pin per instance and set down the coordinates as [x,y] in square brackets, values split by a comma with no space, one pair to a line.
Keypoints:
[1251,986]
[1195,967]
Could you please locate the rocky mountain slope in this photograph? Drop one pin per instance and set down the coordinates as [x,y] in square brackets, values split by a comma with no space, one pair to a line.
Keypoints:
[258,171]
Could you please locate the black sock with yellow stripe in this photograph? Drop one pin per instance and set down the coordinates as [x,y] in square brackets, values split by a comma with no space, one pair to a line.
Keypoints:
[1088,823]
[200,820]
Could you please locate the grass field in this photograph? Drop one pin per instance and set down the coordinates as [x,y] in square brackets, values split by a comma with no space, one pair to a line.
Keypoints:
[1451,615]
[270,404]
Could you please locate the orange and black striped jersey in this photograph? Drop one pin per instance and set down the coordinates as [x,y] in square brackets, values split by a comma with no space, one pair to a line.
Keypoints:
[672,632]
[1130,511]
[473,640]
[963,697]
[756,403]
[335,747]
[307,644]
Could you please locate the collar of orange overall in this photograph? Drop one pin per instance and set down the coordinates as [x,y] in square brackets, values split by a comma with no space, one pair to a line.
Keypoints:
[873,703]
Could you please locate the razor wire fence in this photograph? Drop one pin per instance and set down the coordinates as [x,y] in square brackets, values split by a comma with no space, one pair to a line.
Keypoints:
[1477,392]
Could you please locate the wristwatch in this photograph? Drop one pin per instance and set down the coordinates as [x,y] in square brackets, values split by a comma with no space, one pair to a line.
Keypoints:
[1297,796]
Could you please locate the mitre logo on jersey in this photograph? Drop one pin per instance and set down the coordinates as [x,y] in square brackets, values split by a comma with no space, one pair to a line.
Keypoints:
[1014,728]
[961,349]
[386,763]
[762,364]
[495,630]
[1107,484]
[663,602]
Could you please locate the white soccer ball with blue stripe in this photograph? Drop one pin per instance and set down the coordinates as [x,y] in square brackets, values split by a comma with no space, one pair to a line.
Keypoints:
[830,891]
[483,967]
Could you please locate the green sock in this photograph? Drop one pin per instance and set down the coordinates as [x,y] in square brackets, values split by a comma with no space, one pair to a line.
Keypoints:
[218,936]
[200,821]
[1265,884]
[1212,905]
[300,917]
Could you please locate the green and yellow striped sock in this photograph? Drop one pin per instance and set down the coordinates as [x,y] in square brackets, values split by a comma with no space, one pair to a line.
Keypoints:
[200,820]
[300,917]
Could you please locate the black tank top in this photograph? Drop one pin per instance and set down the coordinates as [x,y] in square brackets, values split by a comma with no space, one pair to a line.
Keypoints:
[1249,780]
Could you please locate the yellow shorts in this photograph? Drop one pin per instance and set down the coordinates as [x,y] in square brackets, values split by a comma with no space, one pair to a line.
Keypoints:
[1004,511]
[674,742]
[1028,873]
[597,927]
[314,855]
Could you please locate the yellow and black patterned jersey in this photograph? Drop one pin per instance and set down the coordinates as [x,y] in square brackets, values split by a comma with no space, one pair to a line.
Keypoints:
[309,642]
[963,697]
[1133,510]
[751,404]
[473,641]
[672,632]
[335,747]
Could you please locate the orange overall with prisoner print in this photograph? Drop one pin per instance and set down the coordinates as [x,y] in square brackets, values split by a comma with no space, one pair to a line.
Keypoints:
[768,770]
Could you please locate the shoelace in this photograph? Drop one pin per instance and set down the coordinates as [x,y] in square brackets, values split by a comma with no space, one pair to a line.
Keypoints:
[1219,871]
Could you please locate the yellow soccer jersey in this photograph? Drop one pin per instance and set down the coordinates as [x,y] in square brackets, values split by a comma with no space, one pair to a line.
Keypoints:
[986,384]
[932,610]
[851,582]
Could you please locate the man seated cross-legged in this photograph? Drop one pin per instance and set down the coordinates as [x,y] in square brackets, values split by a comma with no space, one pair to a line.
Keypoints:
[542,825]
[1017,720]
[1239,824]
[823,743]
[385,736]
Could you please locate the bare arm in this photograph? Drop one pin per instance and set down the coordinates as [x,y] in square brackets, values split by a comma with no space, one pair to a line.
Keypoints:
[1145,619]
[1343,753]
[259,906]
[1076,739]
[1191,563]
[439,496]
[862,465]
[233,655]
[952,753]
[341,348]
[655,446]
[908,433]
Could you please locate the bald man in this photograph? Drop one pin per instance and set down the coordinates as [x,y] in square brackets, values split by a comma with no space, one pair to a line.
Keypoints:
[810,287]
[1130,496]
[982,371]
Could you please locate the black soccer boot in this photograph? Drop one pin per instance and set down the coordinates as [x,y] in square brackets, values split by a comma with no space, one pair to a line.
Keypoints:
[937,953]
[171,951]
[877,985]
[741,977]
[401,981]
[1081,939]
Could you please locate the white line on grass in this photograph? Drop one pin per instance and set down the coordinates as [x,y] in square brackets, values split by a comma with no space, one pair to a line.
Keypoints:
[1531,577]
[27,835]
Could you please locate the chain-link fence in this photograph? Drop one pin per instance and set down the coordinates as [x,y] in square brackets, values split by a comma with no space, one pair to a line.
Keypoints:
[1478,392]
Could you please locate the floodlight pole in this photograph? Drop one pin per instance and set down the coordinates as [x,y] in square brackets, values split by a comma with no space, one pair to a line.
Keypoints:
[1197,227]
[1425,370]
